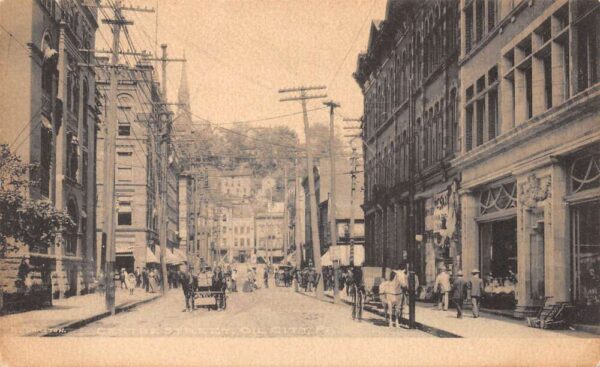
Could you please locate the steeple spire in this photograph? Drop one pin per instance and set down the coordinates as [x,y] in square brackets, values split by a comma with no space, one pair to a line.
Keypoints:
[183,97]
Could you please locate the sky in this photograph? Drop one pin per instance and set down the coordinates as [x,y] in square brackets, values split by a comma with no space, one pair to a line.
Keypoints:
[241,52]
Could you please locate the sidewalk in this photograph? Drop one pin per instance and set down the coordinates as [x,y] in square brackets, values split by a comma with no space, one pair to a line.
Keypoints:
[69,313]
[486,326]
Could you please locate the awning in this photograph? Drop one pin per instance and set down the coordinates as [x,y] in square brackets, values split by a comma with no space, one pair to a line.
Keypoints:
[182,257]
[171,258]
[150,257]
[326,259]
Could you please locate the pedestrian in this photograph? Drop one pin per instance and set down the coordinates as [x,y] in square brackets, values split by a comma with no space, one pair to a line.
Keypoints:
[152,281]
[122,278]
[476,288]
[130,283]
[186,281]
[138,277]
[459,292]
[310,280]
[145,279]
[266,277]
[234,280]
[442,283]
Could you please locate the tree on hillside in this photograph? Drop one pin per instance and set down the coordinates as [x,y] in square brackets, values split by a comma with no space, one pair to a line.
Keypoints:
[24,220]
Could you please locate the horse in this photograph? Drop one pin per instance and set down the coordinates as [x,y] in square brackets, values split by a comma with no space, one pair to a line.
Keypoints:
[393,296]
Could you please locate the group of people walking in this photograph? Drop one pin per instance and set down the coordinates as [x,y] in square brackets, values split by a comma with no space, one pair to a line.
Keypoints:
[460,289]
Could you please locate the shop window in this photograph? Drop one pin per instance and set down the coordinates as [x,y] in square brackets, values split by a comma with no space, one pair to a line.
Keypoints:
[586,253]
[498,262]
[498,198]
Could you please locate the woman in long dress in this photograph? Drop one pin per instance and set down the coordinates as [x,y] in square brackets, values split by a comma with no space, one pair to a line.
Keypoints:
[130,282]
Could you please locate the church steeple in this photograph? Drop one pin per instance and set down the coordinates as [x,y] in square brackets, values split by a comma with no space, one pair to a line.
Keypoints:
[183,96]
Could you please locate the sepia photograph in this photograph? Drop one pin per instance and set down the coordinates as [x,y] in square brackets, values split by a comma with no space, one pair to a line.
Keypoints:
[300,183]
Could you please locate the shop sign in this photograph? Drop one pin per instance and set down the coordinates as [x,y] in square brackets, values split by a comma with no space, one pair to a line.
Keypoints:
[444,218]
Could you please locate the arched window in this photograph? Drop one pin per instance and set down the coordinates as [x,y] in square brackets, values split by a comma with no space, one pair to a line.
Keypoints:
[71,235]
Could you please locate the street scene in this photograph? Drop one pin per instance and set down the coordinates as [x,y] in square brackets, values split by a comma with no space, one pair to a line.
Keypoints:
[277,169]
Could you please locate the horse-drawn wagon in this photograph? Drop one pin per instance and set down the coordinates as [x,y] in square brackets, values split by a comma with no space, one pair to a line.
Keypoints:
[209,292]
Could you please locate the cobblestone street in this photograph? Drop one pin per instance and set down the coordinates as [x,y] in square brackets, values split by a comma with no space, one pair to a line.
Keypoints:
[273,312]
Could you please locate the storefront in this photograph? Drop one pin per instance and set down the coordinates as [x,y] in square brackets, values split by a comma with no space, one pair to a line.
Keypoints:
[584,208]
[440,244]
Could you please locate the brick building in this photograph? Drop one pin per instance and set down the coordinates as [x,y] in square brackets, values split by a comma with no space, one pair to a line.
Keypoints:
[409,79]
[49,118]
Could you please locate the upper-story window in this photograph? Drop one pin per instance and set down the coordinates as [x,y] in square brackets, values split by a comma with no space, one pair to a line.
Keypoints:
[481,17]
[481,109]
[72,156]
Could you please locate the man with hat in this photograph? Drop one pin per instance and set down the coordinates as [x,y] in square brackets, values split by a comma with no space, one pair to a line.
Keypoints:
[442,285]
[476,287]
[459,292]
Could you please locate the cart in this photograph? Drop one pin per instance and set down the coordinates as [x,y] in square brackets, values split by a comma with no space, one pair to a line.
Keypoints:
[205,294]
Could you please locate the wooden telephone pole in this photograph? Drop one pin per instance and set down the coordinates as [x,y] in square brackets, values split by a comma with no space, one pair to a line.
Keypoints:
[333,250]
[110,137]
[165,126]
[303,97]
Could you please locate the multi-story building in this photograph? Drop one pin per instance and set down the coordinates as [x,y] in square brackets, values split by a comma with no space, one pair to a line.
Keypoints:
[269,234]
[137,169]
[343,209]
[49,119]
[409,79]
[140,172]
[530,159]
[237,184]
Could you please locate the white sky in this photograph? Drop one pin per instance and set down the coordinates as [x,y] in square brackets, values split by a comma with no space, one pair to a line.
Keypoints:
[241,52]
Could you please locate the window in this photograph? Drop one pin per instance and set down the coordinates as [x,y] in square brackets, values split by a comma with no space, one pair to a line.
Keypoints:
[124,129]
[45,158]
[588,52]
[482,110]
[72,156]
[242,242]
[469,28]
[124,217]
[124,167]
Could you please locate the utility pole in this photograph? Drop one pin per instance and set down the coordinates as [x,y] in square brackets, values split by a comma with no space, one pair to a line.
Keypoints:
[297,228]
[411,210]
[352,192]
[110,136]
[285,216]
[165,124]
[332,203]
[303,97]
[164,136]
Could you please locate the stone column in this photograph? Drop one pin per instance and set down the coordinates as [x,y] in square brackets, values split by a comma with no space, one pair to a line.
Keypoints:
[558,243]
[470,230]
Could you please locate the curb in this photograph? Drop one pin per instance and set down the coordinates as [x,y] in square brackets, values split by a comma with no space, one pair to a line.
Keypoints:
[65,328]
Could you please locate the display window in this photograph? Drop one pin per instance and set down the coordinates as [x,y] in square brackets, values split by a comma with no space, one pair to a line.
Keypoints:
[498,262]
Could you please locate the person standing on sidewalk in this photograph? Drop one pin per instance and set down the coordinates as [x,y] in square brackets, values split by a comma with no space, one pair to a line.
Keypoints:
[459,292]
[442,282]
[476,287]
[266,276]
[186,281]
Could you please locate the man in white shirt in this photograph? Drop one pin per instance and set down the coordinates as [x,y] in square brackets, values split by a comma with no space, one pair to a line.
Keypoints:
[442,286]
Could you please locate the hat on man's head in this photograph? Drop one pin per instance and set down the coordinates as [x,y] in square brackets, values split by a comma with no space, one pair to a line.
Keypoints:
[26,256]
[475,271]
[459,273]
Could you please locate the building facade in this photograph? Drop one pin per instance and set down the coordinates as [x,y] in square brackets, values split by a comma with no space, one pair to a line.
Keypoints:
[49,119]
[530,159]
[409,79]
